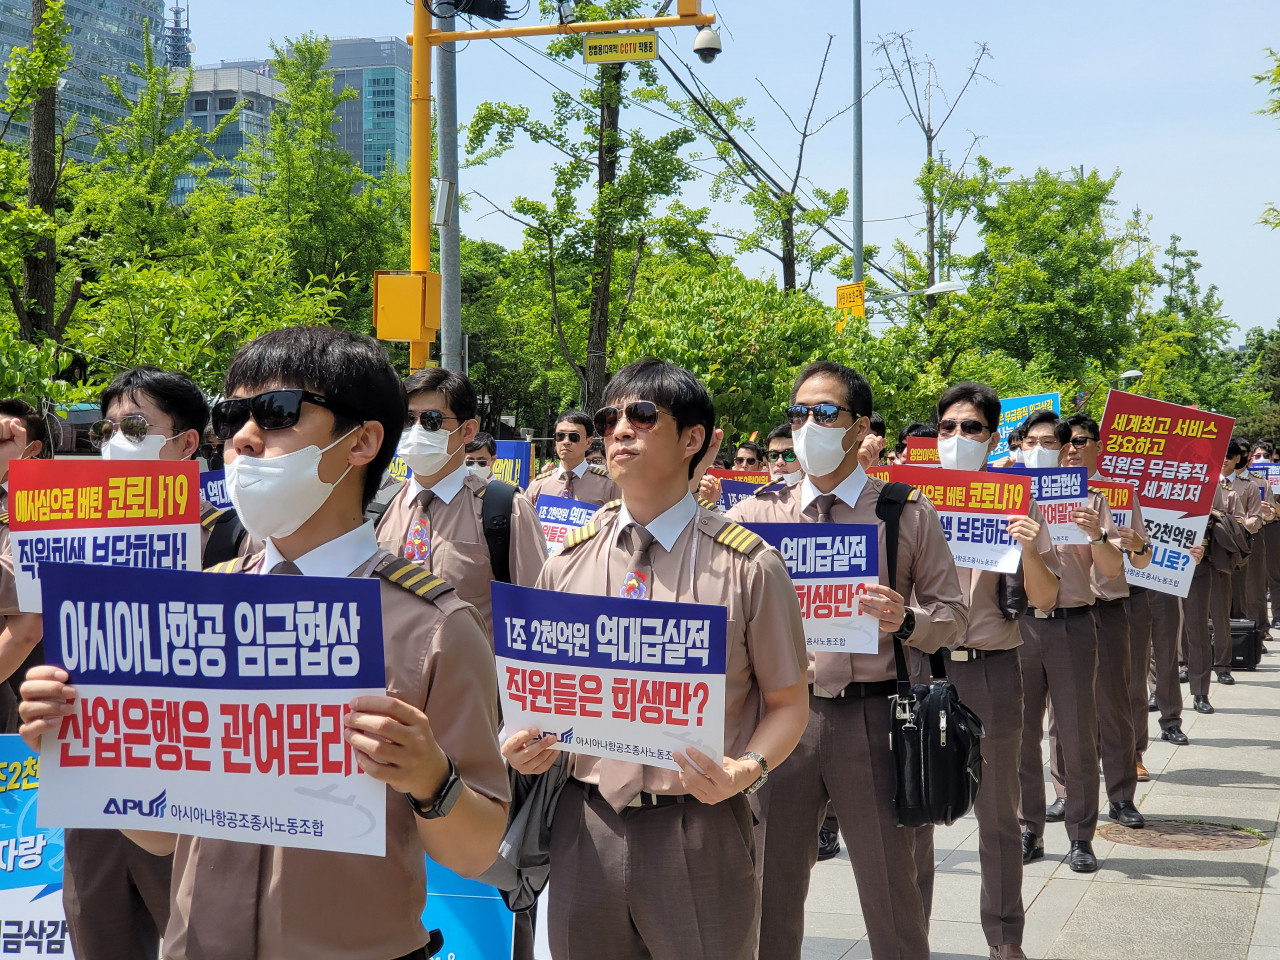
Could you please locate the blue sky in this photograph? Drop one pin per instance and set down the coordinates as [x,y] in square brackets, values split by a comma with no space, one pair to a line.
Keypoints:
[1161,91]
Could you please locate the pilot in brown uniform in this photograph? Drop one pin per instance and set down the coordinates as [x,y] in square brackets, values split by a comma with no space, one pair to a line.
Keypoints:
[844,755]
[651,862]
[1117,739]
[983,666]
[575,479]
[1059,659]
[1255,598]
[436,519]
[1230,590]
[436,728]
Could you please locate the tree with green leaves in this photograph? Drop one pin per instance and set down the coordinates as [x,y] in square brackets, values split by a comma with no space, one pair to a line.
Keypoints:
[1270,78]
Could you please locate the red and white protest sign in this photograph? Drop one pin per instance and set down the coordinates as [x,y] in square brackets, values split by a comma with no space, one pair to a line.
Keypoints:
[1173,454]
[757,477]
[121,513]
[922,452]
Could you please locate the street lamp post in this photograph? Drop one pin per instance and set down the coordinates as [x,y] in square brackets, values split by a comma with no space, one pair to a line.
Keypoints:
[943,286]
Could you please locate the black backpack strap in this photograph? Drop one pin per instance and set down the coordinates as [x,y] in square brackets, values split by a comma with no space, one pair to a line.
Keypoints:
[495,510]
[893,499]
[226,534]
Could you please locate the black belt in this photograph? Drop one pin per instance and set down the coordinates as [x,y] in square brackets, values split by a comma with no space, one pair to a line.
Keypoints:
[962,654]
[644,799]
[1134,591]
[861,691]
[1115,601]
[1059,613]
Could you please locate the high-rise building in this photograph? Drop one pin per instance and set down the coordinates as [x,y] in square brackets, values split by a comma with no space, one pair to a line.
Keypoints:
[106,39]
[374,127]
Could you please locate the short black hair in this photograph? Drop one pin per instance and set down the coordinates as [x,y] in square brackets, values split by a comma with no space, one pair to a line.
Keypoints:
[345,367]
[579,417]
[1038,417]
[721,462]
[36,426]
[749,445]
[176,394]
[978,394]
[668,385]
[917,429]
[878,425]
[1014,440]
[781,432]
[483,441]
[459,393]
[1236,447]
[1266,446]
[1066,426]
[595,446]
[857,390]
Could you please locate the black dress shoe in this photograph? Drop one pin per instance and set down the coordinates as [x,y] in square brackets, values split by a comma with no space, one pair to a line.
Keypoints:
[1126,814]
[1056,812]
[1152,706]
[1081,858]
[1174,735]
[1182,675]
[828,844]
[1224,676]
[1032,847]
[1202,704]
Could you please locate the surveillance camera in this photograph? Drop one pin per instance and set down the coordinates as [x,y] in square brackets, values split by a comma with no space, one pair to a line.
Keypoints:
[707,45]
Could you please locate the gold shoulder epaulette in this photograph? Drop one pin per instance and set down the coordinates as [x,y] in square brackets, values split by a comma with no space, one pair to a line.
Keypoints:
[409,576]
[706,504]
[913,495]
[739,538]
[4,518]
[547,468]
[585,533]
[210,519]
[770,487]
[227,566]
[596,468]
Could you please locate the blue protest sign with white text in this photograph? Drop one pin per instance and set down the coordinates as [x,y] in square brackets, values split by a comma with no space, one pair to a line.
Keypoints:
[1013,410]
[213,488]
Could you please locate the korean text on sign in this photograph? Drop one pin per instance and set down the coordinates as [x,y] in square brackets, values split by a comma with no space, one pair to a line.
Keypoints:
[1013,410]
[1059,492]
[974,509]
[213,705]
[1173,455]
[624,679]
[139,514]
[922,452]
[734,491]
[213,487]
[831,566]
[560,516]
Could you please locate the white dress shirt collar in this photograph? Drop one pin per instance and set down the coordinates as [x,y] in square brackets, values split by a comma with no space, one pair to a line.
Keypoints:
[666,528]
[337,558]
[577,471]
[446,488]
[847,492]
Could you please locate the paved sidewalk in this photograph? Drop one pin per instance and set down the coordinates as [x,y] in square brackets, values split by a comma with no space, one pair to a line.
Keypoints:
[1142,904]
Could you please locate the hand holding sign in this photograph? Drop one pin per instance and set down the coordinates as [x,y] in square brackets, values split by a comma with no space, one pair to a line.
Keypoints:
[47,697]
[531,751]
[711,782]
[887,606]
[1024,530]
[1088,520]
[393,743]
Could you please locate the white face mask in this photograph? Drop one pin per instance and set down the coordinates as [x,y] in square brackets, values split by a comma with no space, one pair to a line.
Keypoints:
[275,496]
[1016,453]
[1038,458]
[820,450]
[961,453]
[120,447]
[482,471]
[794,477]
[425,451]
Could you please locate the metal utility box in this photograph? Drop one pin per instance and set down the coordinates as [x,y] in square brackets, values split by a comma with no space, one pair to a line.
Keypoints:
[406,305]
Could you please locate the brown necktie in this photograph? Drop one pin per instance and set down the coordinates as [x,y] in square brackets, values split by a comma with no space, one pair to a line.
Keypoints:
[286,567]
[824,504]
[620,780]
[567,492]
[417,544]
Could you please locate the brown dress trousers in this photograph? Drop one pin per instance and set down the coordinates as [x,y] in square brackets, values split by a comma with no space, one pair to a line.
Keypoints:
[1138,607]
[1166,629]
[1271,534]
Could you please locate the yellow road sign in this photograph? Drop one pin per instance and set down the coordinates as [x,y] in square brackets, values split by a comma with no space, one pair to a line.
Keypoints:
[852,297]
[619,47]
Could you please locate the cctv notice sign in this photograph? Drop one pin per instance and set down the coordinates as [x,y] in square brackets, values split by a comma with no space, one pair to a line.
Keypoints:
[624,679]
[143,515]
[619,47]
[213,705]
[1173,454]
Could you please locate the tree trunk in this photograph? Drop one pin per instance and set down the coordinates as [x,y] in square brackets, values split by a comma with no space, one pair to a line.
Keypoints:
[930,215]
[789,250]
[596,368]
[40,269]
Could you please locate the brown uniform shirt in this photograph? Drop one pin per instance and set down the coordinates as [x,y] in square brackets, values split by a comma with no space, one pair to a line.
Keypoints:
[8,582]
[1118,587]
[594,486]
[925,568]
[320,905]
[1075,587]
[458,550]
[766,646]
[1250,501]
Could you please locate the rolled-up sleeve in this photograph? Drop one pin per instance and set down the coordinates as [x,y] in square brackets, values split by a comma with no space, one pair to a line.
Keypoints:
[938,603]
[774,628]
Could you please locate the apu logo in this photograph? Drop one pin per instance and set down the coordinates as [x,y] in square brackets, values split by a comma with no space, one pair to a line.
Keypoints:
[567,736]
[155,808]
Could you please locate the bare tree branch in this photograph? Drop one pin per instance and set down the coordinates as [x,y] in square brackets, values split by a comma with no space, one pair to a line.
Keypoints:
[983,51]
[73,298]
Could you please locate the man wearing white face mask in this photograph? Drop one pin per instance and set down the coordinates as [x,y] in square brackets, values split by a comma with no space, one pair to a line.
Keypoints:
[844,755]
[438,518]
[481,452]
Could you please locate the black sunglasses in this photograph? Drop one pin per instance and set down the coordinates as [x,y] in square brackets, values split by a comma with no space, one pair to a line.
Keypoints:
[970,428]
[748,461]
[641,414]
[429,420]
[787,456]
[273,410]
[573,437]
[824,414]
[1079,442]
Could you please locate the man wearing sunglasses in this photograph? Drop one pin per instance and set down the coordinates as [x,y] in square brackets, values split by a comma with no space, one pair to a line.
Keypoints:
[651,863]
[844,755]
[310,424]
[595,453]
[749,456]
[437,519]
[1059,658]
[781,455]
[575,479]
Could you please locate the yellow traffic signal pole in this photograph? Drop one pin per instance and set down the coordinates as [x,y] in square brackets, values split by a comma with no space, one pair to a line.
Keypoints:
[406,305]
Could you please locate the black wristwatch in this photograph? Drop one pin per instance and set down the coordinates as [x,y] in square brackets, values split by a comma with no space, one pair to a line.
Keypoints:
[1102,539]
[444,799]
[764,771]
[1142,551]
[908,627]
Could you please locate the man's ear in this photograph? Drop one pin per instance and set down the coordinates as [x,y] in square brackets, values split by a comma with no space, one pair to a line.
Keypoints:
[469,431]
[190,444]
[993,442]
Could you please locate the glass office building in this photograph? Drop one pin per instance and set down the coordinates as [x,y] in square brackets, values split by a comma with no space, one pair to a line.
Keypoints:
[374,128]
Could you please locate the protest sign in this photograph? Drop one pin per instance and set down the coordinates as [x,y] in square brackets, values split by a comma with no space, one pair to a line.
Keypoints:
[736,485]
[974,509]
[213,705]
[755,477]
[1270,472]
[922,452]
[1059,492]
[213,488]
[831,565]
[398,470]
[471,915]
[31,858]
[1013,410]
[1174,455]
[122,513]
[1121,497]
[514,462]
[560,516]
[619,678]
